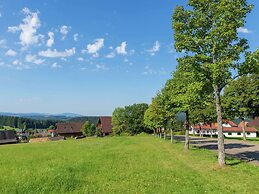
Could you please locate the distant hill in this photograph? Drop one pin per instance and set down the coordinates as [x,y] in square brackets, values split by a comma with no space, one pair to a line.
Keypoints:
[42,116]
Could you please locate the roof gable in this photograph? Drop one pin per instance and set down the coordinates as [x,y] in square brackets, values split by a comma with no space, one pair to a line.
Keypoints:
[106,124]
[73,127]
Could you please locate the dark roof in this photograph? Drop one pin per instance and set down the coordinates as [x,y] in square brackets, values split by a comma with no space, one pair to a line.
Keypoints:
[106,124]
[254,122]
[7,136]
[72,127]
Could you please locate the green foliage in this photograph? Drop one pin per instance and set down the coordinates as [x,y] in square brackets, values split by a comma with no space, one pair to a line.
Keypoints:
[130,119]
[51,127]
[118,120]
[241,97]
[88,129]
[207,33]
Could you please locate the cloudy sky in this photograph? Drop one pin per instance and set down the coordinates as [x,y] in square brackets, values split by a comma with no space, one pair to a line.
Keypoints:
[88,57]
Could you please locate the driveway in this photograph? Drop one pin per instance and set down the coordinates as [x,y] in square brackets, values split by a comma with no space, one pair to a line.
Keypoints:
[244,150]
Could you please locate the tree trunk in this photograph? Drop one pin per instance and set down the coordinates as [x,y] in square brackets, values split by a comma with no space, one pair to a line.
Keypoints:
[210,131]
[186,144]
[164,134]
[243,128]
[221,149]
[171,134]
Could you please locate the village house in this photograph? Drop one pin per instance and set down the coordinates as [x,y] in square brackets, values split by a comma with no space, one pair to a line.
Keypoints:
[8,136]
[72,129]
[105,125]
[230,129]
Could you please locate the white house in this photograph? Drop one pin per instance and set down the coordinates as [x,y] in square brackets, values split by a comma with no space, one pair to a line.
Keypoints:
[230,129]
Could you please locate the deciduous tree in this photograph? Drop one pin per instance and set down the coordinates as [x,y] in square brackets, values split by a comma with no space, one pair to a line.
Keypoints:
[207,34]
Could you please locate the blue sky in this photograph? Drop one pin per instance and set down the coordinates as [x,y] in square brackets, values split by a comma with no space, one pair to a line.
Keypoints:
[88,57]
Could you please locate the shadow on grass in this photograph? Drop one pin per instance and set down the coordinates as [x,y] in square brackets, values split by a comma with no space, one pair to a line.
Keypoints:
[231,161]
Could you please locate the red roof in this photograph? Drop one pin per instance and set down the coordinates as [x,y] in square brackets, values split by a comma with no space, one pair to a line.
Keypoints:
[239,129]
[105,124]
[73,127]
[231,123]
[204,127]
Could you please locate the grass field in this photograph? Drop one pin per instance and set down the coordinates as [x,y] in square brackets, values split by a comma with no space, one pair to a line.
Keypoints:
[140,164]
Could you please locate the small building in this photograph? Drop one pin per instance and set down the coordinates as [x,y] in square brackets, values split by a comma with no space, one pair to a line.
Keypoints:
[250,132]
[105,125]
[230,129]
[71,129]
[8,136]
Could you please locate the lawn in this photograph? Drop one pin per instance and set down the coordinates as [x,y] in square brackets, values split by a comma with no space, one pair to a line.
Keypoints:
[140,164]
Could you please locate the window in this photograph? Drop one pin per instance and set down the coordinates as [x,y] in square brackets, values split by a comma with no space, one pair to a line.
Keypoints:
[238,133]
[229,133]
[248,133]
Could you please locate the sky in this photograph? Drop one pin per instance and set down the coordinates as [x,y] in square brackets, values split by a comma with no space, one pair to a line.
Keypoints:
[88,56]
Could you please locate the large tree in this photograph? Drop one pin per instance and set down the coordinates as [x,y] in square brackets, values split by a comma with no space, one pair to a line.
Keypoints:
[241,98]
[207,34]
[187,91]
[118,120]
[130,119]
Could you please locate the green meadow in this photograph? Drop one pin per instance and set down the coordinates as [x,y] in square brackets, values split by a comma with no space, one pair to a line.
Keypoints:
[138,164]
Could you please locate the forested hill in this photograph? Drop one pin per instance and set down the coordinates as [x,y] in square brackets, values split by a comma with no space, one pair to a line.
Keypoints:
[42,116]
[25,123]
[41,123]
[91,119]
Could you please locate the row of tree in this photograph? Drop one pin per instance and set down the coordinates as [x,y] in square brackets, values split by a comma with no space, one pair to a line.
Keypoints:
[130,120]
[215,60]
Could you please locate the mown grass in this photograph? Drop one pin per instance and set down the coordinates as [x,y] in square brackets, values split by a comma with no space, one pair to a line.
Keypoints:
[140,164]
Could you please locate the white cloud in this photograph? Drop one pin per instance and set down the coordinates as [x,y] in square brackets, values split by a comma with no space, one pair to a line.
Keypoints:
[50,41]
[243,30]
[16,62]
[18,65]
[13,29]
[95,47]
[121,50]
[75,36]
[149,71]
[11,53]
[28,28]
[154,49]
[3,43]
[54,53]
[80,59]
[56,65]
[33,59]
[100,67]
[64,31]
[110,55]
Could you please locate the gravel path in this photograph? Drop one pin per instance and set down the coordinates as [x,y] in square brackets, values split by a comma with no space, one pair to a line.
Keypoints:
[244,150]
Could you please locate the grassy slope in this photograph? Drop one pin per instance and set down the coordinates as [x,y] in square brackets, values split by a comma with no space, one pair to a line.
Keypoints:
[142,164]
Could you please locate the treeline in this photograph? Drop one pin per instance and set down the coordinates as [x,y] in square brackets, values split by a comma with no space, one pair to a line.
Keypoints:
[214,60]
[24,123]
[130,120]
[91,119]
